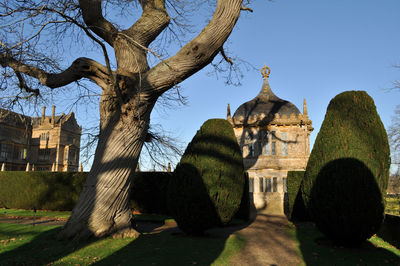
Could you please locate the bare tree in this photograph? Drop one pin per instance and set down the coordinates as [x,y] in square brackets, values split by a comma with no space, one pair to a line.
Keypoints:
[394,132]
[129,90]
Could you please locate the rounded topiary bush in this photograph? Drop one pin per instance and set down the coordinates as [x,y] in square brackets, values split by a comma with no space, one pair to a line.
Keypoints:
[352,129]
[207,186]
[347,202]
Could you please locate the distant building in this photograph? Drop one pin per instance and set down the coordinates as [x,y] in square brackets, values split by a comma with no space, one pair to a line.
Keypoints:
[274,137]
[47,143]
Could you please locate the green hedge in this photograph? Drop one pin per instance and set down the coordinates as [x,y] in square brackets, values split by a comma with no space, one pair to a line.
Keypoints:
[149,192]
[296,209]
[59,191]
[40,190]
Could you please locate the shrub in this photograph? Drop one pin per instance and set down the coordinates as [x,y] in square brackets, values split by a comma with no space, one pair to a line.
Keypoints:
[149,192]
[296,210]
[346,201]
[40,190]
[207,186]
[59,191]
[244,209]
[352,131]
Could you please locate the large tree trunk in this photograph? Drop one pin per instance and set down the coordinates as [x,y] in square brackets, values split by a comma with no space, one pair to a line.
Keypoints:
[103,206]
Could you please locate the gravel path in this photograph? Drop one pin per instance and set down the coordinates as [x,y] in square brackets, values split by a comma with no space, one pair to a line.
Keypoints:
[267,243]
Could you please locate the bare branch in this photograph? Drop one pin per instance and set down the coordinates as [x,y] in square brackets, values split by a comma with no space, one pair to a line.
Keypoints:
[80,68]
[227,59]
[199,52]
[93,17]
[245,8]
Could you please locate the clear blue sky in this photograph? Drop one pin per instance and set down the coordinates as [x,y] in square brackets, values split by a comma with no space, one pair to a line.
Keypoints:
[315,49]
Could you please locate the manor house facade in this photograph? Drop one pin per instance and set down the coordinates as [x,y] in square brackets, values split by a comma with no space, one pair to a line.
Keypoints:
[46,143]
[274,137]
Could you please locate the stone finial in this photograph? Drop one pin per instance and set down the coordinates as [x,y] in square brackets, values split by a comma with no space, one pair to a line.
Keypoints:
[80,169]
[33,167]
[265,71]
[28,168]
[305,112]
[43,113]
[137,167]
[53,115]
[53,167]
[3,167]
[228,114]
[169,168]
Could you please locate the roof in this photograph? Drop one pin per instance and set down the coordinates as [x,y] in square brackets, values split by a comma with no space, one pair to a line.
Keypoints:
[15,119]
[263,107]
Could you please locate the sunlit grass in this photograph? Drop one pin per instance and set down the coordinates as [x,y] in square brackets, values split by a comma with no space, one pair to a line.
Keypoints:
[31,213]
[392,206]
[37,245]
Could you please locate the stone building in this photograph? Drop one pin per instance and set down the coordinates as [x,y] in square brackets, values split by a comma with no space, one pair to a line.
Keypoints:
[274,138]
[46,143]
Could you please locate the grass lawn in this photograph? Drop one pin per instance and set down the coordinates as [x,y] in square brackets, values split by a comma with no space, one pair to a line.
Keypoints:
[36,245]
[31,213]
[314,249]
[392,205]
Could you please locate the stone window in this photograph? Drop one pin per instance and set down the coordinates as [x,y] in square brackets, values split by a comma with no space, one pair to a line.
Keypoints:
[5,150]
[70,138]
[261,182]
[45,136]
[44,154]
[266,144]
[284,184]
[268,187]
[253,149]
[284,144]
[273,148]
[274,184]
[251,184]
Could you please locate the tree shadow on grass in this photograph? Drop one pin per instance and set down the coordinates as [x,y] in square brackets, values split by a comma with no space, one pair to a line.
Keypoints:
[390,230]
[173,247]
[41,250]
[346,205]
[316,249]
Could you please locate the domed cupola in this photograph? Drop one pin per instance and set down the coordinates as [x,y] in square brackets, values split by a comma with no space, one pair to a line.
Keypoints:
[265,107]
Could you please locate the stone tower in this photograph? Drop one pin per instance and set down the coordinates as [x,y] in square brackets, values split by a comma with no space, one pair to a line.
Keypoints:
[274,137]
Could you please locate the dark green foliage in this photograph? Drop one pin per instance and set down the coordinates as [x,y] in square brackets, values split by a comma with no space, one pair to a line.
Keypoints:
[60,190]
[208,183]
[244,209]
[296,210]
[149,192]
[346,202]
[40,190]
[352,129]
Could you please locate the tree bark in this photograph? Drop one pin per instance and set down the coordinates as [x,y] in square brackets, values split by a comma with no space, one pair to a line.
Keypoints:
[129,95]
[103,206]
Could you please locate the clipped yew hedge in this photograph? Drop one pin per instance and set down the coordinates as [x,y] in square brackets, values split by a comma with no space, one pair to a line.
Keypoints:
[149,192]
[40,190]
[348,170]
[59,191]
[207,186]
[296,209]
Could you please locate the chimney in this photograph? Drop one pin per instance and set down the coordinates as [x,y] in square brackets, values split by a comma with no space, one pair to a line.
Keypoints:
[53,115]
[43,113]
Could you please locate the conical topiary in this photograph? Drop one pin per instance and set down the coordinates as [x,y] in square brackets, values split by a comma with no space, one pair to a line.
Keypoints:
[348,170]
[207,186]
